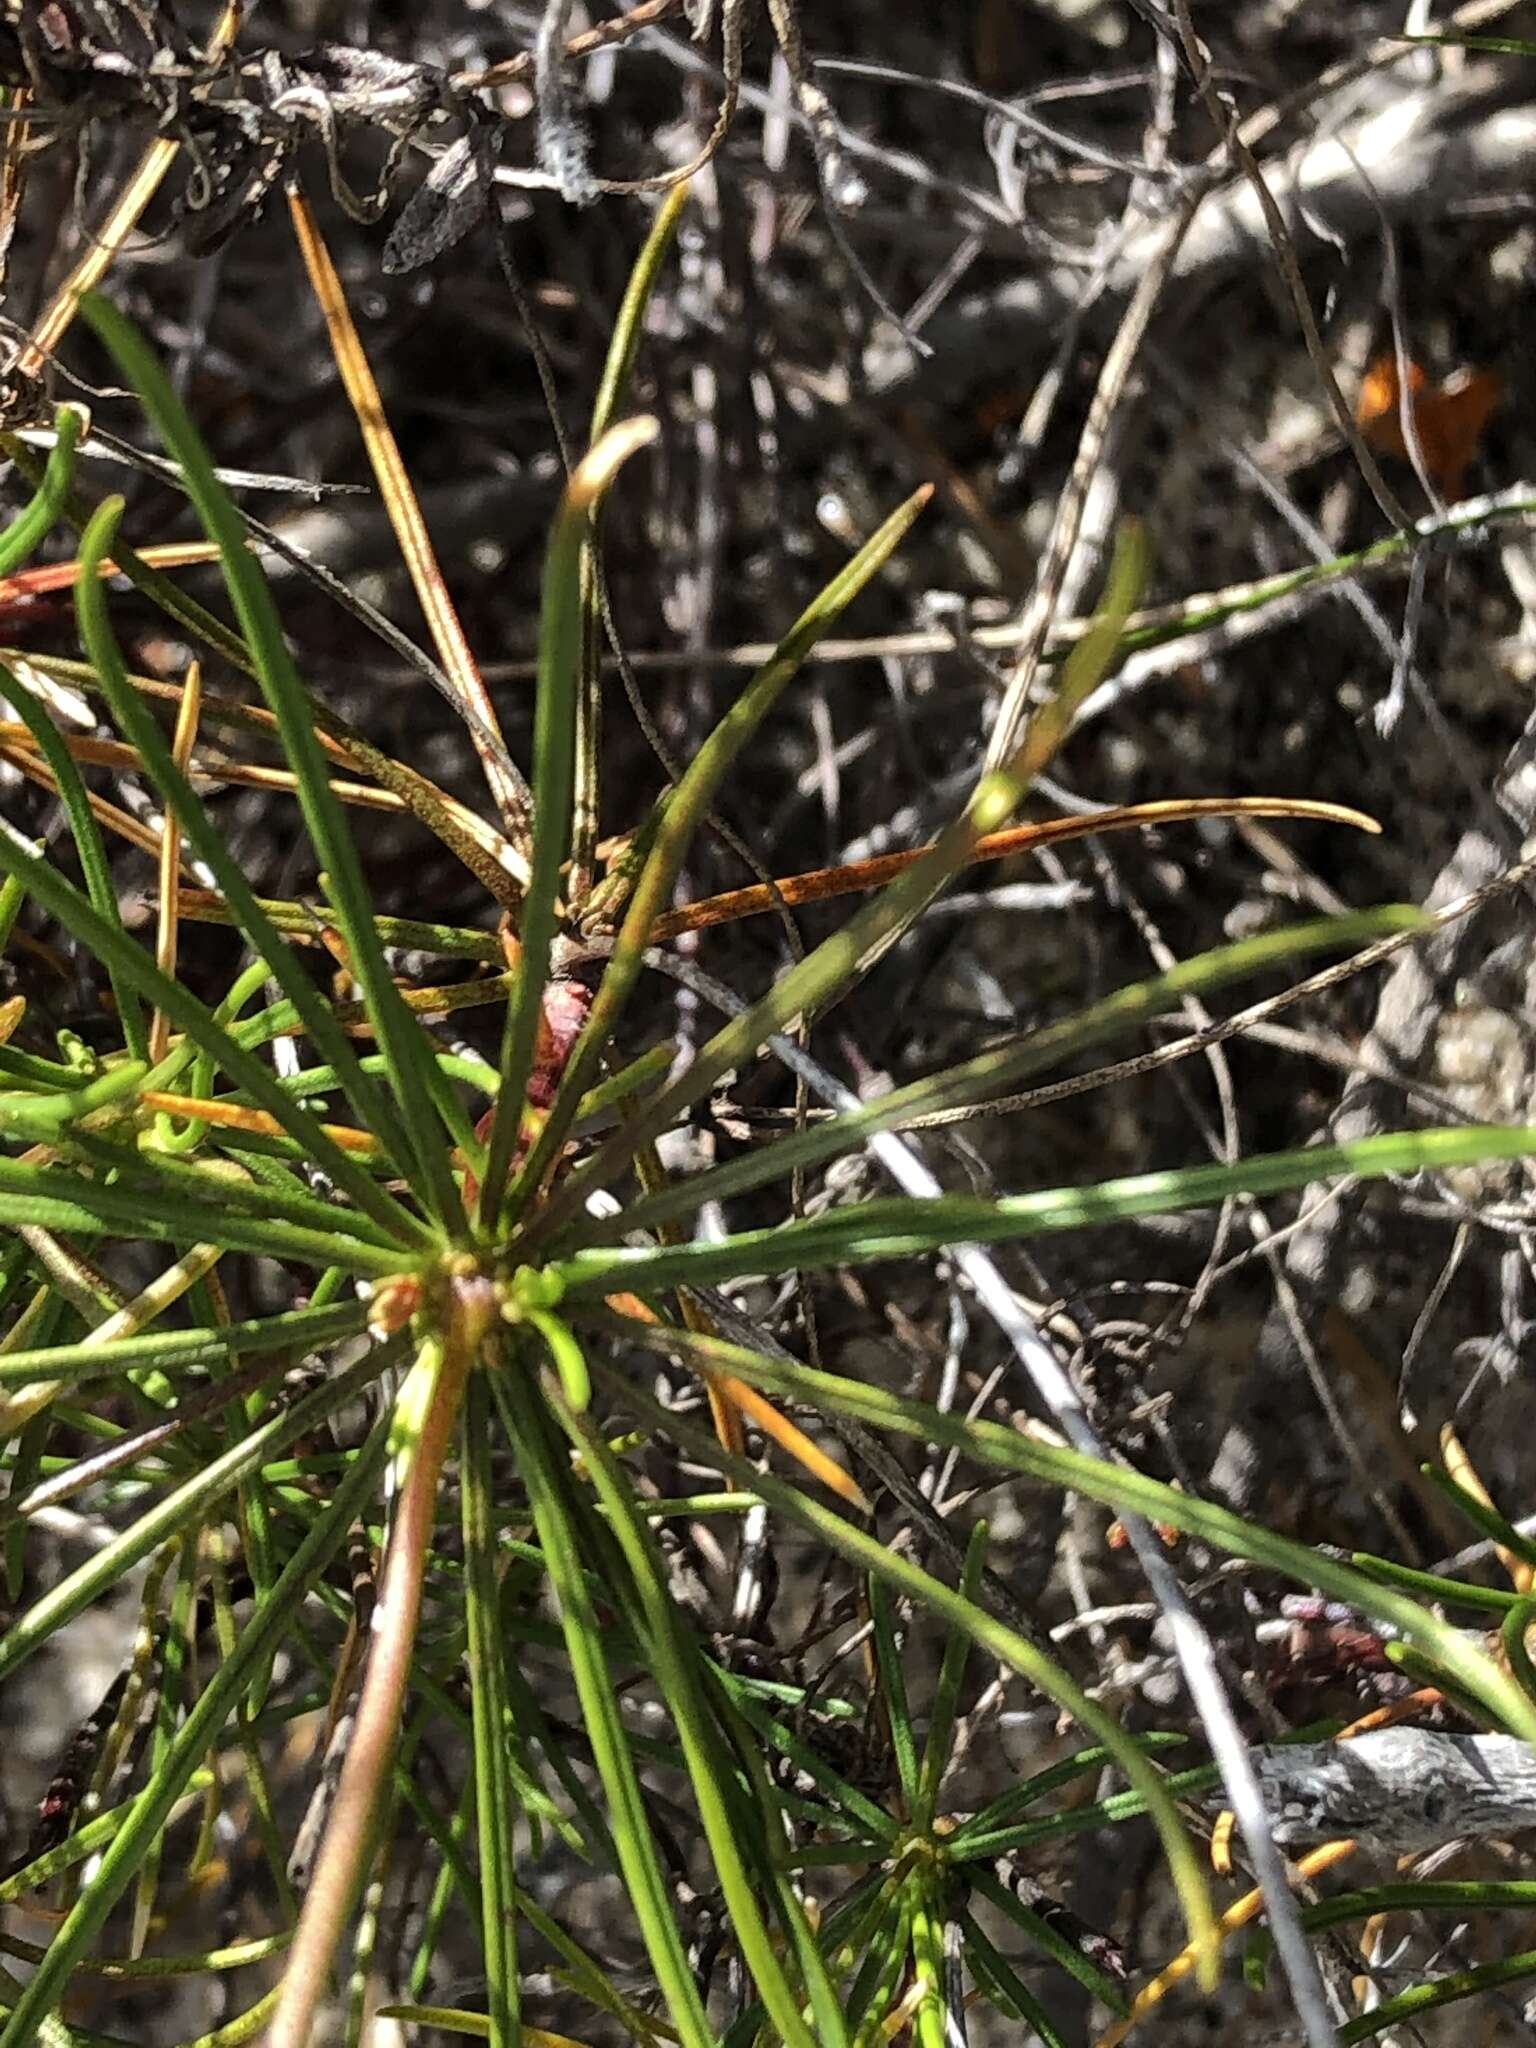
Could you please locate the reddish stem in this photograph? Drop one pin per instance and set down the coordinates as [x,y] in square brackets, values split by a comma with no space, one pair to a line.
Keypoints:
[344,1853]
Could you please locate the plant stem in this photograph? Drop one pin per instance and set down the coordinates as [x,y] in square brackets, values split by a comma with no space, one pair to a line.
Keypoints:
[348,1843]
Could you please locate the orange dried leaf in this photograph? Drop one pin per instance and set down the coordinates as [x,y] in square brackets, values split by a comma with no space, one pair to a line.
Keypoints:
[1238,1915]
[1449,417]
[794,1440]
[725,1387]
[1117,1537]
[1393,1712]
[236,1116]
[1459,1466]
[819,884]
[46,577]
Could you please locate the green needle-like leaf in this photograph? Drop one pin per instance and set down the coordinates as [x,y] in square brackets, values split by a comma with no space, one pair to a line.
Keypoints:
[37,518]
[685,809]
[629,321]
[1451,1989]
[612,394]
[647,1887]
[1005,1987]
[946,1696]
[51,1198]
[554,761]
[189,1504]
[413,1073]
[1121,1486]
[44,1116]
[1062,1951]
[900,1227]
[675,1666]
[495,1803]
[98,543]
[988,1074]
[893,1689]
[113,946]
[865,1550]
[1019,1798]
[150,1812]
[99,885]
